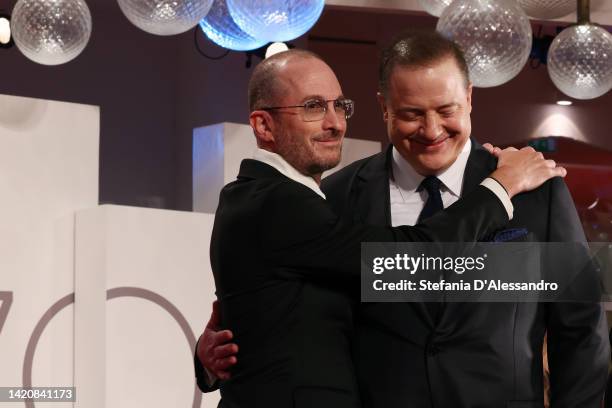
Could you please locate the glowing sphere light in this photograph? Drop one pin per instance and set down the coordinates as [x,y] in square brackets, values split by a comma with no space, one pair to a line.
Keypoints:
[165,17]
[276,48]
[580,61]
[275,20]
[547,9]
[221,29]
[51,32]
[5,31]
[495,36]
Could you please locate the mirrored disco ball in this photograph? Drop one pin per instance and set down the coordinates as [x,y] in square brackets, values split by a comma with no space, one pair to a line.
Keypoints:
[51,32]
[165,17]
[434,7]
[580,61]
[220,28]
[495,36]
[275,20]
[547,9]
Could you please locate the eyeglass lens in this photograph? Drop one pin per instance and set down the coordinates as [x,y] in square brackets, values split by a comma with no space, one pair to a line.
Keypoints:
[315,110]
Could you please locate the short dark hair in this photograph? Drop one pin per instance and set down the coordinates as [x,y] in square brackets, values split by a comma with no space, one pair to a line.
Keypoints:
[264,87]
[418,48]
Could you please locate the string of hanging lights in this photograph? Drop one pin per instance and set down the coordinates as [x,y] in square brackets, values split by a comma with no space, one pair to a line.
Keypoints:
[56,32]
[494,34]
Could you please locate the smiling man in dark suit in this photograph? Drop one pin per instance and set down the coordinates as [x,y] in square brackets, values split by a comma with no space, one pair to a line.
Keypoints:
[414,355]
[460,354]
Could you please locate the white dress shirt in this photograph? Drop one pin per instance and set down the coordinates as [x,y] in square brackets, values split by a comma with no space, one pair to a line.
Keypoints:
[280,164]
[407,203]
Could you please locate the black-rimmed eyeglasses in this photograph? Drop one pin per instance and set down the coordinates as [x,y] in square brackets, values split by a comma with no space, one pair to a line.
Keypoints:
[315,109]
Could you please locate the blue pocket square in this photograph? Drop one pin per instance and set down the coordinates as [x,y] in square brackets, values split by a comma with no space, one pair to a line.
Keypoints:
[511,234]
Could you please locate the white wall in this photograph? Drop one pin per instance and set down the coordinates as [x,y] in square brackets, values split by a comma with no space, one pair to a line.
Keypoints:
[48,170]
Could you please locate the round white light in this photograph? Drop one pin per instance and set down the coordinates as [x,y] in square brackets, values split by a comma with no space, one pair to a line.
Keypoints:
[564,103]
[165,17]
[275,48]
[580,61]
[5,31]
[51,32]
[495,36]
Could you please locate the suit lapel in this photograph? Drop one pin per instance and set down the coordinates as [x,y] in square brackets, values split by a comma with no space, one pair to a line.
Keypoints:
[374,202]
[372,187]
[479,165]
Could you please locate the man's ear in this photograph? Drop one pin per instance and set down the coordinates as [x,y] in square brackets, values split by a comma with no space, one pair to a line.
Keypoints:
[382,101]
[469,97]
[263,127]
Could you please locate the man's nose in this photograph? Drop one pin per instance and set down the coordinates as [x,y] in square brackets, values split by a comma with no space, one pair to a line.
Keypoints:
[333,119]
[431,128]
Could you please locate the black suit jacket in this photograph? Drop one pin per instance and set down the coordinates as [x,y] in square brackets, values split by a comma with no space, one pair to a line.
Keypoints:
[476,355]
[285,268]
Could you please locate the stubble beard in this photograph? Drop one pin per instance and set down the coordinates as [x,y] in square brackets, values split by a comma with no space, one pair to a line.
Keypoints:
[302,155]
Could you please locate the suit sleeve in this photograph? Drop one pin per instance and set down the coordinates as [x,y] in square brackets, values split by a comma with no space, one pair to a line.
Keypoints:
[308,239]
[578,346]
[204,384]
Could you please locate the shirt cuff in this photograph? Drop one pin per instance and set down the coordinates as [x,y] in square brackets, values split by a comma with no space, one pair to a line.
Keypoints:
[211,379]
[501,193]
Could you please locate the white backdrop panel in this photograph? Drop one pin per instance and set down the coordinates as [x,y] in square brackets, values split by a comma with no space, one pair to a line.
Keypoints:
[48,169]
[135,347]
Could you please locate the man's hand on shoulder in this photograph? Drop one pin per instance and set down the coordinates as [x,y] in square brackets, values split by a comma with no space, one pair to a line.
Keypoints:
[523,170]
[215,351]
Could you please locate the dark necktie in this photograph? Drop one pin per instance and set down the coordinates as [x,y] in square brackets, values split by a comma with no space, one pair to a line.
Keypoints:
[431,184]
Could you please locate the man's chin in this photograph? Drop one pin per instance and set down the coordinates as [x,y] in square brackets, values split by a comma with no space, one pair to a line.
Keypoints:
[428,166]
[324,165]
[329,157]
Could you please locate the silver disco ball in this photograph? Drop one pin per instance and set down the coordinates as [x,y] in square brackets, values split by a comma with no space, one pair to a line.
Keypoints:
[221,29]
[165,17]
[580,61]
[548,9]
[434,7]
[275,20]
[51,32]
[495,36]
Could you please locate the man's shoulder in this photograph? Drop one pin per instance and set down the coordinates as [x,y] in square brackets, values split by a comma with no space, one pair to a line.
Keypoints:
[343,177]
[269,188]
[481,164]
[551,190]
[261,179]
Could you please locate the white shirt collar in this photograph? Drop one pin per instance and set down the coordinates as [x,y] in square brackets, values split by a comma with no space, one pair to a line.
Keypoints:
[408,180]
[275,160]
